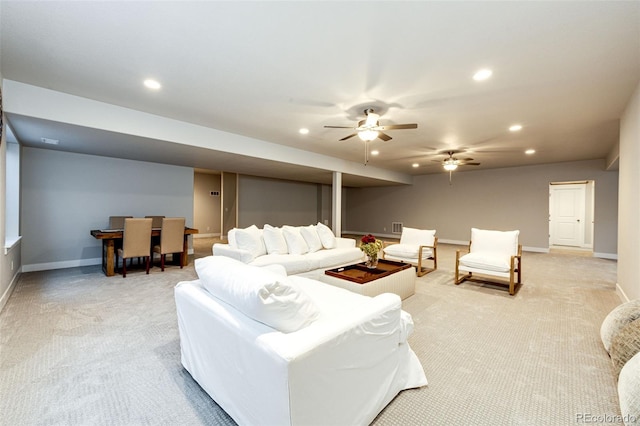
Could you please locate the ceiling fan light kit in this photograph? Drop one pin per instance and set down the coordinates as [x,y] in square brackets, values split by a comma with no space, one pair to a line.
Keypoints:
[370,129]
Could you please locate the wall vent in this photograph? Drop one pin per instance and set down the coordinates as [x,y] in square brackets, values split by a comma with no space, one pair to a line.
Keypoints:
[396,227]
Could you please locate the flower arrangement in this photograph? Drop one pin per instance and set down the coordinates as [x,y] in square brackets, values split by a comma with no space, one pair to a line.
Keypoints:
[370,246]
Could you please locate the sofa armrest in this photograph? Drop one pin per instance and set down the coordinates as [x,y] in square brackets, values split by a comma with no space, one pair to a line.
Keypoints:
[345,242]
[243,256]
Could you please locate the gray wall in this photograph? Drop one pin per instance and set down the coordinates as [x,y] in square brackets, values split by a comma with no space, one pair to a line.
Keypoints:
[629,219]
[65,195]
[206,207]
[509,198]
[280,202]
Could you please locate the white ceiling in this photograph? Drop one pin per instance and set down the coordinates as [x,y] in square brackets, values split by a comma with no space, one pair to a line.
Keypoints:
[564,70]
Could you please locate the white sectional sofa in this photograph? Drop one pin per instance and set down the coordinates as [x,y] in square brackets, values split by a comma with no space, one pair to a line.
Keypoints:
[278,350]
[302,250]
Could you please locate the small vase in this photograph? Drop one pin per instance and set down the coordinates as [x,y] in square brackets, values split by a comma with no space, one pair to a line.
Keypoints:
[372,262]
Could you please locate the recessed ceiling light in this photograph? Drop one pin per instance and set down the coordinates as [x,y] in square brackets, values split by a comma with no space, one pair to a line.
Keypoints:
[415,165]
[482,74]
[50,141]
[152,84]
[375,152]
[530,151]
[304,131]
[515,128]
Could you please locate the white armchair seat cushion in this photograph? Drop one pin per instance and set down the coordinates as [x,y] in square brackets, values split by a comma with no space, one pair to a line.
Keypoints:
[486,261]
[407,251]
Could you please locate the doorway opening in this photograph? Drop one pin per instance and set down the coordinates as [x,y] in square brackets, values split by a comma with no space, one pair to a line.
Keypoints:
[571,216]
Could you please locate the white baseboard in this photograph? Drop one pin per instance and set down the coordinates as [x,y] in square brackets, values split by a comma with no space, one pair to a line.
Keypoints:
[66,264]
[612,256]
[620,292]
[214,235]
[9,290]
[61,265]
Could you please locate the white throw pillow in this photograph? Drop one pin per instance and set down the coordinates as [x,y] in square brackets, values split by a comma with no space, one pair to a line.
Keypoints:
[326,235]
[311,237]
[295,243]
[258,293]
[250,239]
[498,242]
[422,237]
[231,237]
[274,240]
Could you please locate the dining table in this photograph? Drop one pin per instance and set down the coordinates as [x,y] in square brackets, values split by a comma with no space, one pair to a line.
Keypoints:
[110,238]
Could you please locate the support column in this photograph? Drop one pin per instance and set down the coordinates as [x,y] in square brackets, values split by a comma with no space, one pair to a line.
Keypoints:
[336,205]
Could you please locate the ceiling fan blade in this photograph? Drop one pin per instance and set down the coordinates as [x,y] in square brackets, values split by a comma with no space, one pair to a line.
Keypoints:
[462,163]
[338,127]
[398,126]
[347,137]
[384,137]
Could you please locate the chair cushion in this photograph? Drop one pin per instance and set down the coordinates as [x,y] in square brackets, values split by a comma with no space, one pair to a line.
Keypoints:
[326,235]
[407,251]
[295,243]
[274,240]
[495,242]
[311,237]
[251,239]
[424,237]
[260,294]
[620,316]
[487,261]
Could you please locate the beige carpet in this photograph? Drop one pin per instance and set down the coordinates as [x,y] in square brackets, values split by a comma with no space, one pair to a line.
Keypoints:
[78,348]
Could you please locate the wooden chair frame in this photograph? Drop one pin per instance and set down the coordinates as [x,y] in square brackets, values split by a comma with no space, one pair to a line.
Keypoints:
[420,270]
[515,268]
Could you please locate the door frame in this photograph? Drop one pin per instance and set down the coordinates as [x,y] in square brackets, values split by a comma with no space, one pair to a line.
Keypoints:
[588,223]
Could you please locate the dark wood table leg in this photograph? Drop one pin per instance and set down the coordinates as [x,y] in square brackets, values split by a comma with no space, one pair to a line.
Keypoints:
[109,261]
[184,258]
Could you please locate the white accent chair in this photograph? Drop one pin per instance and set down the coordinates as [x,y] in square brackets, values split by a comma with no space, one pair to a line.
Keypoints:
[494,253]
[416,246]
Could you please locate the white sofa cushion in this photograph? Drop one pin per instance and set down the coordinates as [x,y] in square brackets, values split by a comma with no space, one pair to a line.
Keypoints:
[326,235]
[311,237]
[487,261]
[274,240]
[258,293]
[498,242]
[412,236]
[295,243]
[407,251]
[250,239]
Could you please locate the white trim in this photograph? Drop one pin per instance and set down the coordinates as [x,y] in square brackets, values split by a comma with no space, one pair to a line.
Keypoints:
[67,264]
[612,256]
[7,293]
[213,235]
[620,292]
[61,265]
[10,243]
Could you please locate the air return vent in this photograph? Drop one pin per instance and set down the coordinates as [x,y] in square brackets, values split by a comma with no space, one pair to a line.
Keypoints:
[396,227]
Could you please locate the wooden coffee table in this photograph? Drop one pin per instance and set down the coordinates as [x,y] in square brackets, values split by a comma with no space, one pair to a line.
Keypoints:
[388,277]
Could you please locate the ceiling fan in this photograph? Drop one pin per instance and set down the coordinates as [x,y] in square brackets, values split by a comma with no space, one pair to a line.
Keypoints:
[370,128]
[451,163]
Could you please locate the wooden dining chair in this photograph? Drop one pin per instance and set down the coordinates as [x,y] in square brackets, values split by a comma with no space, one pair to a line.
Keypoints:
[171,239]
[156,221]
[136,242]
[117,222]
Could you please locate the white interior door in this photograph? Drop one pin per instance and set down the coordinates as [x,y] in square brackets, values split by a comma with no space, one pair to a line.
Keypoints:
[566,214]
